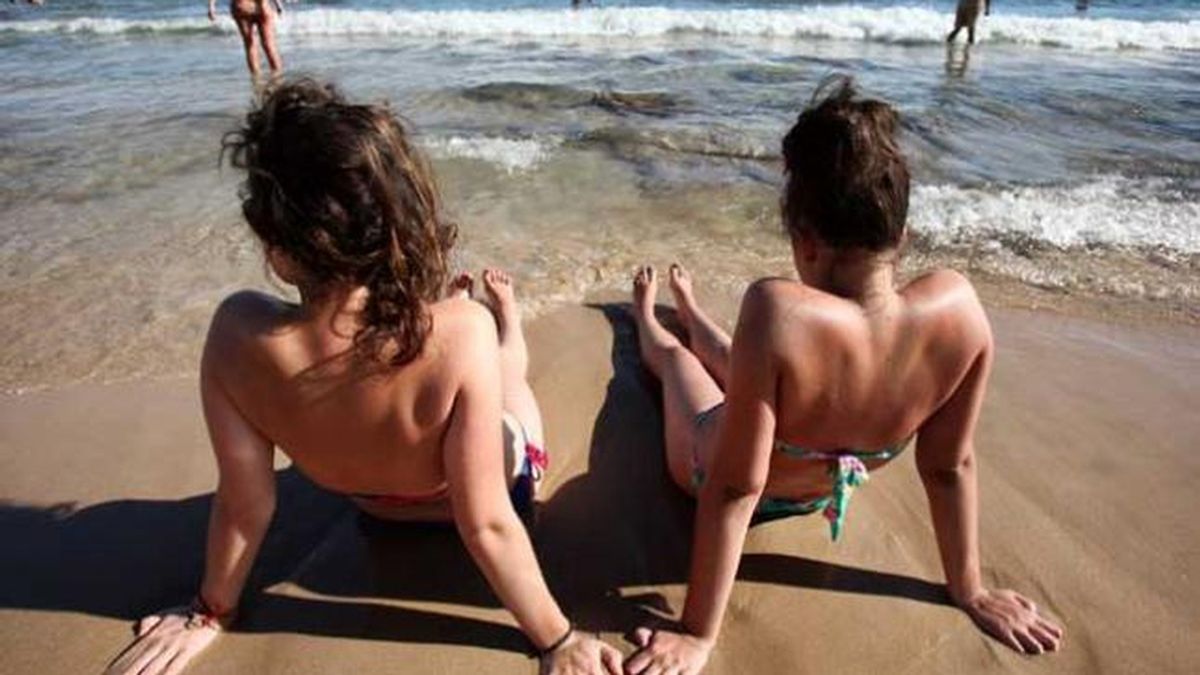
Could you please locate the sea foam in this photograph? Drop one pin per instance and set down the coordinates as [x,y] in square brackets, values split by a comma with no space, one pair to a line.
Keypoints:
[894,25]
[511,154]
[1108,211]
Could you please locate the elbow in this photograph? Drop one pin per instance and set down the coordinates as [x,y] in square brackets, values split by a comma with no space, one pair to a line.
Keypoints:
[255,514]
[948,476]
[482,536]
[256,517]
[734,491]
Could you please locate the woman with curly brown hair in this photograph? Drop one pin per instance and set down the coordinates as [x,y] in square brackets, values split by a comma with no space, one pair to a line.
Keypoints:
[824,379]
[375,384]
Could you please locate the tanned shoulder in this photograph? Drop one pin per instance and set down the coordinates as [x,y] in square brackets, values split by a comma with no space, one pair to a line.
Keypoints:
[949,299]
[237,319]
[467,331]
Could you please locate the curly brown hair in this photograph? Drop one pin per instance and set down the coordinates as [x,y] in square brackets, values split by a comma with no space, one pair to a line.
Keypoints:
[847,179]
[341,189]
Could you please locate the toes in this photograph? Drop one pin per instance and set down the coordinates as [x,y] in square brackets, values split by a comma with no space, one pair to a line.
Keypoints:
[496,277]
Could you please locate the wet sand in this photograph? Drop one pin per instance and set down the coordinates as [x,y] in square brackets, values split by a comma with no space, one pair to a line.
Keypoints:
[1088,476]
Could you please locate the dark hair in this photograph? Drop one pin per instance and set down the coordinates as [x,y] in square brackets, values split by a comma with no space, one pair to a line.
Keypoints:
[847,180]
[342,190]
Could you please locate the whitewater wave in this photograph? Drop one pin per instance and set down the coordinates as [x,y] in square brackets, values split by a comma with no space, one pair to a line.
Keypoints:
[514,155]
[1111,211]
[894,25]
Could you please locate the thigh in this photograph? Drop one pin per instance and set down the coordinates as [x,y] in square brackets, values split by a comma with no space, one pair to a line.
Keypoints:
[520,402]
[245,28]
[266,27]
[689,392]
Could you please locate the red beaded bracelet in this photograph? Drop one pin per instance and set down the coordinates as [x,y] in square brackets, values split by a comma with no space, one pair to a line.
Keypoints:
[202,615]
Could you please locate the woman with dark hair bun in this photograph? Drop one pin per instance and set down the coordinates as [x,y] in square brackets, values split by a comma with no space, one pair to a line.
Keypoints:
[379,384]
[824,379]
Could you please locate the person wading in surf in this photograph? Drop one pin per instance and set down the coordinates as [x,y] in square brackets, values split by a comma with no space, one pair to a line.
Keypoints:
[255,21]
[966,16]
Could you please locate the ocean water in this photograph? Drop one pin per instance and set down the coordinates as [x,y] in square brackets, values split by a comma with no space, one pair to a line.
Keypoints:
[1061,152]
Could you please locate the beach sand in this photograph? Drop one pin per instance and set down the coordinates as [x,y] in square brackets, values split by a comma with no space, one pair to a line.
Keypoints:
[1088,477]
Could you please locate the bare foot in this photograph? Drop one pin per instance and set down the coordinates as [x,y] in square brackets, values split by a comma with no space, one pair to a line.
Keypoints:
[645,292]
[499,287]
[462,286]
[681,287]
[653,339]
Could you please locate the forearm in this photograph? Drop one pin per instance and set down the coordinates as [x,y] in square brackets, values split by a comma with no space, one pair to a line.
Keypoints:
[722,520]
[953,505]
[235,535]
[504,553]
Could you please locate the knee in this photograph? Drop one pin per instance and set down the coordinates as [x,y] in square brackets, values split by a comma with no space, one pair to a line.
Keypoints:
[675,354]
[680,466]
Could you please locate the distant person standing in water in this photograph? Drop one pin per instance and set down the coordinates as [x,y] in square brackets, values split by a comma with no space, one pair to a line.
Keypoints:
[966,16]
[252,15]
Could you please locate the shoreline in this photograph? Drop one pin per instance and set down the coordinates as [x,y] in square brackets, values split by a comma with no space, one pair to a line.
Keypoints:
[1087,481]
[998,294]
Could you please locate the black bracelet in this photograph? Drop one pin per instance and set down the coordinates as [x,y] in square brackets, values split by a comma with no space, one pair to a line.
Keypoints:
[542,653]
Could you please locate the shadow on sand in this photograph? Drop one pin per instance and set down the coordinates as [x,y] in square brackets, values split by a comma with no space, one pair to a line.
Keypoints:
[619,525]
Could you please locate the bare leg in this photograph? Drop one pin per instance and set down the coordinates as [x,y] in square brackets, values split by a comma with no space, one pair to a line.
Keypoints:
[249,43]
[519,400]
[266,29]
[708,340]
[688,389]
[971,34]
[954,33]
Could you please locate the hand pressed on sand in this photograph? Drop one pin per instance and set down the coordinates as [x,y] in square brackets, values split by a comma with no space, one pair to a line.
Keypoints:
[166,642]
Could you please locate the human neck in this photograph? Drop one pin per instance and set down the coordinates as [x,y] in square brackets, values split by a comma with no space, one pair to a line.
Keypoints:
[866,278]
[336,306]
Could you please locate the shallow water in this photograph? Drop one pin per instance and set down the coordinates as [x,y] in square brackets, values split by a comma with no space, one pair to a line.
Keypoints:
[1061,152]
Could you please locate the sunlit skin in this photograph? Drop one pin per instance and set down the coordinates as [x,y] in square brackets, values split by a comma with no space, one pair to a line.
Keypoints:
[842,358]
[281,375]
[255,20]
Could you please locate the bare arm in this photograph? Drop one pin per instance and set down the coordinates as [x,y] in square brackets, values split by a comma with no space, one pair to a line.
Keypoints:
[245,498]
[727,500]
[485,518]
[946,462]
[737,477]
[212,10]
[241,512]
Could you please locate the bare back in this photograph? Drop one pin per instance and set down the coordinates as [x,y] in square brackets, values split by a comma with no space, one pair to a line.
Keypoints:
[350,424]
[852,380]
